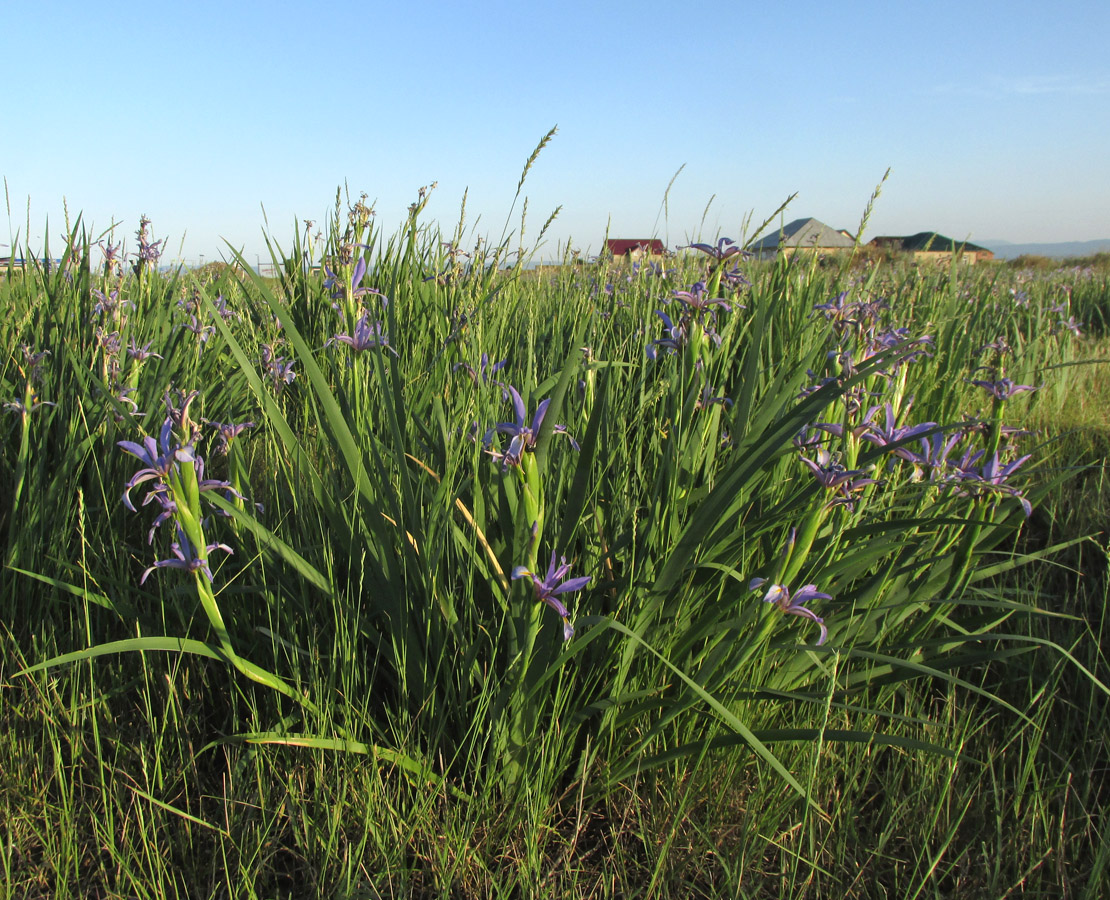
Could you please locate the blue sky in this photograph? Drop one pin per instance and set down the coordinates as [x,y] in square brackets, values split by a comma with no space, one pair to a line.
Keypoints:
[994,117]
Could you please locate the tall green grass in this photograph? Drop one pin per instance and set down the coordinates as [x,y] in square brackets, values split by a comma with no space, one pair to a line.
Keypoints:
[364,699]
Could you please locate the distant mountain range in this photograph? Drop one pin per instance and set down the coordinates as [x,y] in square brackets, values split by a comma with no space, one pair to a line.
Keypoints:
[1007,250]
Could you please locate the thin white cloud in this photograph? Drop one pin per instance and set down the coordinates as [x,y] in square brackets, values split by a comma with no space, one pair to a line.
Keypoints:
[998,86]
[1050,84]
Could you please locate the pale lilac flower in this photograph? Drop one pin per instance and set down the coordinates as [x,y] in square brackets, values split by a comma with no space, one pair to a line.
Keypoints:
[1071,325]
[108,341]
[706,399]
[524,435]
[140,354]
[836,309]
[160,494]
[934,453]
[177,407]
[794,605]
[724,249]
[111,256]
[900,339]
[367,336]
[674,336]
[972,479]
[278,368]
[34,360]
[122,397]
[891,433]
[833,476]
[736,279]
[484,370]
[552,585]
[697,302]
[998,345]
[108,303]
[227,433]
[222,308]
[184,557]
[19,407]
[203,332]
[159,458]
[352,288]
[149,251]
[1004,388]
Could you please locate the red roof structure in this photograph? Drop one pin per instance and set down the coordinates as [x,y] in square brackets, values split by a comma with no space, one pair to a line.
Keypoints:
[635,247]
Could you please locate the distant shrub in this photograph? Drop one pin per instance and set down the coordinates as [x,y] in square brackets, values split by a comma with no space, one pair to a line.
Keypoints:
[1098,261]
[1031,261]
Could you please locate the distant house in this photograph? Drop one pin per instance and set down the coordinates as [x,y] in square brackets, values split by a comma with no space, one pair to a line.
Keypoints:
[928,246]
[802,234]
[15,266]
[633,249]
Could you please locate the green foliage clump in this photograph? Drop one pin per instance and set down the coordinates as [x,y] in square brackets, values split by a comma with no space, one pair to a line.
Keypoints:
[800,495]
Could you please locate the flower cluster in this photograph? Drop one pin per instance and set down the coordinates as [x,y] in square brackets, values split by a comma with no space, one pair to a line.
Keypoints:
[927,447]
[698,311]
[174,475]
[277,368]
[149,251]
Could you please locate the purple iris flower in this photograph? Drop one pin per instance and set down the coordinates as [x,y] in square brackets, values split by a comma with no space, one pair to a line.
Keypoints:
[227,433]
[524,436]
[998,345]
[34,360]
[159,457]
[1071,325]
[707,399]
[552,585]
[367,336]
[890,433]
[162,495]
[203,332]
[354,288]
[277,367]
[108,303]
[1004,388]
[184,557]
[19,406]
[736,279]
[900,339]
[111,255]
[108,341]
[934,453]
[836,309]
[213,484]
[139,354]
[484,370]
[177,408]
[724,249]
[674,336]
[832,476]
[222,308]
[123,399]
[990,477]
[794,605]
[149,251]
[695,300]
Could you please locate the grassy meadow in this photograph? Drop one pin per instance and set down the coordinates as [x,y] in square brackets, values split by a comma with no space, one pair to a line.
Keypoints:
[415,572]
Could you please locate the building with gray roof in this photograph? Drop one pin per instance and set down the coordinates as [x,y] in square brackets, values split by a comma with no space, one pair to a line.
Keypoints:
[802,234]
